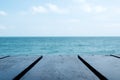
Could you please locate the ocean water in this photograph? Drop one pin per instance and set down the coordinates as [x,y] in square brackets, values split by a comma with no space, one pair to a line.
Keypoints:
[59,45]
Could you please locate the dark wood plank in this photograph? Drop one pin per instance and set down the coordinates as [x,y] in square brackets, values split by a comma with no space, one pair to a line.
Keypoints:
[60,67]
[107,65]
[12,66]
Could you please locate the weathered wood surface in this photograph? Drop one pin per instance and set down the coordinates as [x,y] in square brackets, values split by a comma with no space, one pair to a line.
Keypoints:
[109,66]
[2,57]
[117,56]
[12,66]
[59,67]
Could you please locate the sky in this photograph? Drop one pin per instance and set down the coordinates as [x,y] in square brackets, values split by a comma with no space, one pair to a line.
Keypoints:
[59,18]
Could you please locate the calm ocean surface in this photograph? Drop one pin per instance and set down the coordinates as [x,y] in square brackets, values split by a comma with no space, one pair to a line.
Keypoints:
[59,45]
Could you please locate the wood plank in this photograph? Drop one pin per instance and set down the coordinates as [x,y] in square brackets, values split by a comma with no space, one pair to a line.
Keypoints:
[60,67]
[107,65]
[18,77]
[98,74]
[12,66]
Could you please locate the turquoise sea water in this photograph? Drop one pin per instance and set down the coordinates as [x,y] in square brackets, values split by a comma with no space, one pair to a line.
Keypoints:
[59,45]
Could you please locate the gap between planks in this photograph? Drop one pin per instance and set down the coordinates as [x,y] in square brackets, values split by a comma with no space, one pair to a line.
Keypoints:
[27,69]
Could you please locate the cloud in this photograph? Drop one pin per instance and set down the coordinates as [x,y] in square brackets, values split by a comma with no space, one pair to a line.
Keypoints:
[116,10]
[90,7]
[39,9]
[48,8]
[93,9]
[114,25]
[3,27]
[74,20]
[54,8]
[99,9]
[81,1]
[87,8]
[3,13]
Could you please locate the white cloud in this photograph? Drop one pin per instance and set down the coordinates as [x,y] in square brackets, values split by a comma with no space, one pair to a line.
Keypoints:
[90,7]
[116,10]
[48,8]
[3,27]
[93,9]
[114,25]
[81,1]
[3,13]
[99,9]
[87,8]
[39,9]
[74,20]
[56,9]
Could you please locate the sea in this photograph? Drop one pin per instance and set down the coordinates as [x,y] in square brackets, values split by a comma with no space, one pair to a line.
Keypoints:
[59,45]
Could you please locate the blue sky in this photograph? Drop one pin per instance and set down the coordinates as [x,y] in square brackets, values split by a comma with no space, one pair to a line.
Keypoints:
[59,18]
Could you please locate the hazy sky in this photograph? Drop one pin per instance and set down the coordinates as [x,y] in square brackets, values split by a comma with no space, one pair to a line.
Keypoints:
[59,17]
